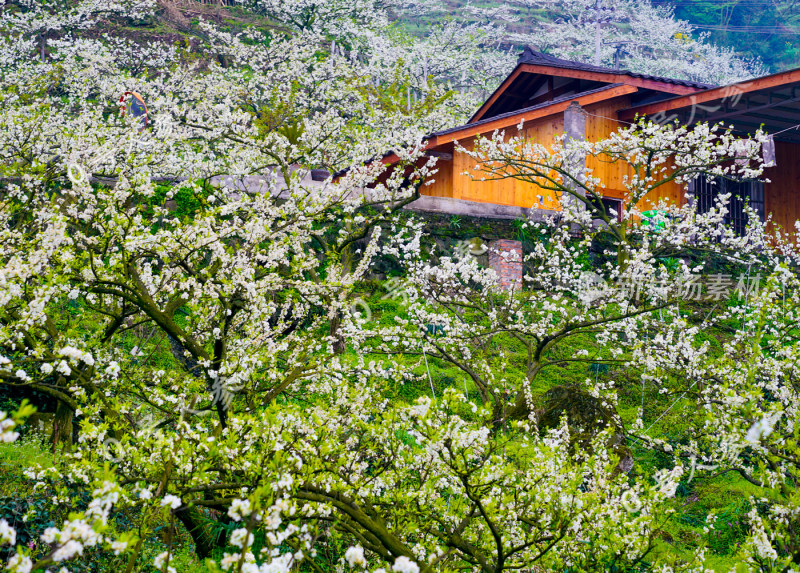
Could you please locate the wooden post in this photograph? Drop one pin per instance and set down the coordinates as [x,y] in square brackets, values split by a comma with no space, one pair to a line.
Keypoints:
[575,128]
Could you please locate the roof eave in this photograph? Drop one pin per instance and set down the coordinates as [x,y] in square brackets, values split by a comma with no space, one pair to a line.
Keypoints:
[610,77]
[738,88]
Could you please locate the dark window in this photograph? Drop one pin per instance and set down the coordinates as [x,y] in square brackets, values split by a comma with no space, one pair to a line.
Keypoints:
[607,205]
[706,191]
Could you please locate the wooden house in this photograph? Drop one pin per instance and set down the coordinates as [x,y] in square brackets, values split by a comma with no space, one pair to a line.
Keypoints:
[544,90]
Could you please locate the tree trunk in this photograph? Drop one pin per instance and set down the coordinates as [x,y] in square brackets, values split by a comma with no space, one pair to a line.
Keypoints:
[206,538]
[62,426]
[339,344]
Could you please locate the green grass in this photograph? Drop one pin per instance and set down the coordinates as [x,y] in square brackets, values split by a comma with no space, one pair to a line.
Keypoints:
[24,453]
[727,497]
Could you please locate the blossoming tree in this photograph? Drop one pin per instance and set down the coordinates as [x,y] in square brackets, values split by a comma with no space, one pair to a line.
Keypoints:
[173,288]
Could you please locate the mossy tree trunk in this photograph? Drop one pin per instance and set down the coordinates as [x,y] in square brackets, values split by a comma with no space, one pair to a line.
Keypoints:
[62,426]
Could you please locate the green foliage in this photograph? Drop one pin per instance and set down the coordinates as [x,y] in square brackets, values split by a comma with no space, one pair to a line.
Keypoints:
[736,24]
[30,515]
[520,229]
[401,97]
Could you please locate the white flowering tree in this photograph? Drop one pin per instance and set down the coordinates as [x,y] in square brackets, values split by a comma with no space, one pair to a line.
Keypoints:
[649,38]
[174,290]
[104,172]
[744,412]
[346,20]
[29,24]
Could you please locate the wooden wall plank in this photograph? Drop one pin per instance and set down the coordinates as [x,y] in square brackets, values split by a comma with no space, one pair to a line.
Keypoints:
[600,124]
[782,194]
[441,184]
[506,191]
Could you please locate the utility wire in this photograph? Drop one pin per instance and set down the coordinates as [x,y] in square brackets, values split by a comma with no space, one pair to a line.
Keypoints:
[665,413]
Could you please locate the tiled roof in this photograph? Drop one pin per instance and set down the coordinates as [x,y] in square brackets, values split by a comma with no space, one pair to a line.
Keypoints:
[561,99]
[531,56]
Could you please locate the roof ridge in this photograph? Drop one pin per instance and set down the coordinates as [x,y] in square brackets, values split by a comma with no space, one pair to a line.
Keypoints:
[528,54]
[532,56]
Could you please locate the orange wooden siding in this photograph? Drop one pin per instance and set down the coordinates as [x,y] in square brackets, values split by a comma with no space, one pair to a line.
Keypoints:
[441,184]
[506,191]
[543,131]
[599,126]
[452,180]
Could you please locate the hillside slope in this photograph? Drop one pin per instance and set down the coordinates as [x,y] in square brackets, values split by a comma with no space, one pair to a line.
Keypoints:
[769,29]
[766,29]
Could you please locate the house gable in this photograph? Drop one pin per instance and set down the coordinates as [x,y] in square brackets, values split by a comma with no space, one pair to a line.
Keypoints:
[540,78]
